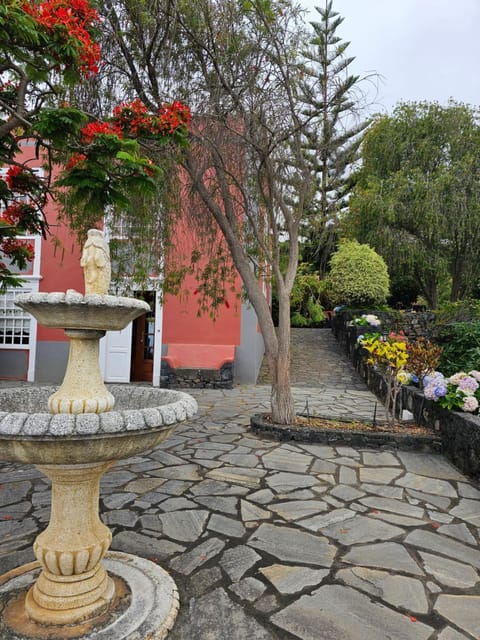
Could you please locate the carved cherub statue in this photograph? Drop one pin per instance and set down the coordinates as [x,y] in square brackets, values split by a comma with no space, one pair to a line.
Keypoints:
[95,262]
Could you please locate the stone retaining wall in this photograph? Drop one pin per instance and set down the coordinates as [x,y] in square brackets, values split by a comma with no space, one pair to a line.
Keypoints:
[355,438]
[196,378]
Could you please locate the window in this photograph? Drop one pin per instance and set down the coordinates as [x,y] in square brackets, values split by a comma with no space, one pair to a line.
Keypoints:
[135,250]
[14,322]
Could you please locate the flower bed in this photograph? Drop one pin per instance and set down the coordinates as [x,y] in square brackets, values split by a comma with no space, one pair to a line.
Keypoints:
[413,324]
[459,431]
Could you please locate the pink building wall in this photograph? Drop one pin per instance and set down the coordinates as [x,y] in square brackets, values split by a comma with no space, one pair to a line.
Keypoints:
[198,337]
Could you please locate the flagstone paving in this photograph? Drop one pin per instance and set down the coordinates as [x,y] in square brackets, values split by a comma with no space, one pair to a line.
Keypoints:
[284,541]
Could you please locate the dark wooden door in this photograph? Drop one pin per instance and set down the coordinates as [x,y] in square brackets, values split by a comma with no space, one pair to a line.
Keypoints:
[143,337]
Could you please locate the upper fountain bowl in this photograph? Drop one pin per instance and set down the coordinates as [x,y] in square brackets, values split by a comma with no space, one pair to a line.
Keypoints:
[72,310]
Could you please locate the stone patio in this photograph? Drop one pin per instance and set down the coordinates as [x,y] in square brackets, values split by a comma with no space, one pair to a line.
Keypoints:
[281,541]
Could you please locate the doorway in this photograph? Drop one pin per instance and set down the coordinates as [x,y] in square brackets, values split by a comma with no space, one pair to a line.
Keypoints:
[143,341]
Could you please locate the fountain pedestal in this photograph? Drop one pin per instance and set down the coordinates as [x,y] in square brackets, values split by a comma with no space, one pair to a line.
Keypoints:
[82,389]
[73,584]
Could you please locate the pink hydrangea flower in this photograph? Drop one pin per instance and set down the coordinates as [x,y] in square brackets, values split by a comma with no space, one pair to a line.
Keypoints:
[470,404]
[468,385]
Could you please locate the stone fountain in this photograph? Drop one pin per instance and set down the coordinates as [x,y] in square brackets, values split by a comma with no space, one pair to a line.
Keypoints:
[73,435]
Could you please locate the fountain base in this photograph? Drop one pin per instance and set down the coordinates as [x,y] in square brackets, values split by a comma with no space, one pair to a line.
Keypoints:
[66,607]
[145,607]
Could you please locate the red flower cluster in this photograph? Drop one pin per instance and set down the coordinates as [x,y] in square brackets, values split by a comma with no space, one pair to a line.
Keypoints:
[11,246]
[12,175]
[72,21]
[134,120]
[14,214]
[172,116]
[77,158]
[93,129]
[399,337]
[21,180]
[131,119]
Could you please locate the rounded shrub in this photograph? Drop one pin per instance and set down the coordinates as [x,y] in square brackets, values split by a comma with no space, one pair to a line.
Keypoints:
[358,275]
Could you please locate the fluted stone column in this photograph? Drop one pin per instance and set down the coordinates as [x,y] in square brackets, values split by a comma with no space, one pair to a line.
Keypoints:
[73,584]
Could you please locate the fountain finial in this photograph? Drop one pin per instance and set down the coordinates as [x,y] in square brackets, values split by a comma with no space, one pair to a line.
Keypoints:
[95,262]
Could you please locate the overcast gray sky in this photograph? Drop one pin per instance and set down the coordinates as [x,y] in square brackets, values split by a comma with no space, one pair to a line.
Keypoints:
[423,49]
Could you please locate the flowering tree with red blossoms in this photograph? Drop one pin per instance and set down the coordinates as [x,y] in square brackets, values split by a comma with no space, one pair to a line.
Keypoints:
[47,47]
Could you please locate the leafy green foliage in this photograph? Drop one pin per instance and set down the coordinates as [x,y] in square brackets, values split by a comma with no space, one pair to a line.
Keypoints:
[113,172]
[358,276]
[404,290]
[460,344]
[309,297]
[60,126]
[47,47]
[305,303]
[462,311]
[417,200]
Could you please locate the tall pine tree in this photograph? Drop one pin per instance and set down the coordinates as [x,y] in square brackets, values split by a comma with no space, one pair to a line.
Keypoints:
[331,96]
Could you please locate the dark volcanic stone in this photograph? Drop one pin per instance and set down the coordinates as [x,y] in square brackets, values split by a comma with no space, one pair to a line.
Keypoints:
[260,425]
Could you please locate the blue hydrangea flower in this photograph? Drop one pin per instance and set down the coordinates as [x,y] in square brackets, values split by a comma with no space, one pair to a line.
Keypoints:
[440,391]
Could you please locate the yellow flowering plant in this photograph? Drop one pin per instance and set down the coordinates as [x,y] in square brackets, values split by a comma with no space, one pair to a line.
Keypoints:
[389,356]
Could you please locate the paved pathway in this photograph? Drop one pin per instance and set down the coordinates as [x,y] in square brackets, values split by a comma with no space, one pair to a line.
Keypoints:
[275,541]
[317,361]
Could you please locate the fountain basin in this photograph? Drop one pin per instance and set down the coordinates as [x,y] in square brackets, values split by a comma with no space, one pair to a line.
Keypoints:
[72,310]
[74,450]
[30,434]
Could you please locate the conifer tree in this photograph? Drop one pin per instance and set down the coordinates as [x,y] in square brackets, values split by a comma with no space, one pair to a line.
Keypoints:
[331,96]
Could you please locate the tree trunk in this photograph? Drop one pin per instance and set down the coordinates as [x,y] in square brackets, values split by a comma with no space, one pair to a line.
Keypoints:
[457,273]
[430,291]
[277,344]
[283,406]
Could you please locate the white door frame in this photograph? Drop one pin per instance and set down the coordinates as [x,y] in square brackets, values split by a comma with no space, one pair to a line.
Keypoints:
[157,345]
[108,348]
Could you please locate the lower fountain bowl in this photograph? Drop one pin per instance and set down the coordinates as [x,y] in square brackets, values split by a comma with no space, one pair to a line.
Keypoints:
[143,417]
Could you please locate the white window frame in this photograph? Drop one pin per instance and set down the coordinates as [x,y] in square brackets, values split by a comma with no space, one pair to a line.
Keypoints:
[31,284]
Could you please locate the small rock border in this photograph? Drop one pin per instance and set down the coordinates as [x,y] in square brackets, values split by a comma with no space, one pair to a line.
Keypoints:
[379,440]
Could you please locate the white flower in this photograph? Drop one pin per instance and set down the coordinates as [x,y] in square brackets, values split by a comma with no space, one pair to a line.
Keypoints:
[455,379]
[372,319]
[404,377]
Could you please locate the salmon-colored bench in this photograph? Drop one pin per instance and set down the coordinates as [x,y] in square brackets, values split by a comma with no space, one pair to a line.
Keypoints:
[199,356]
